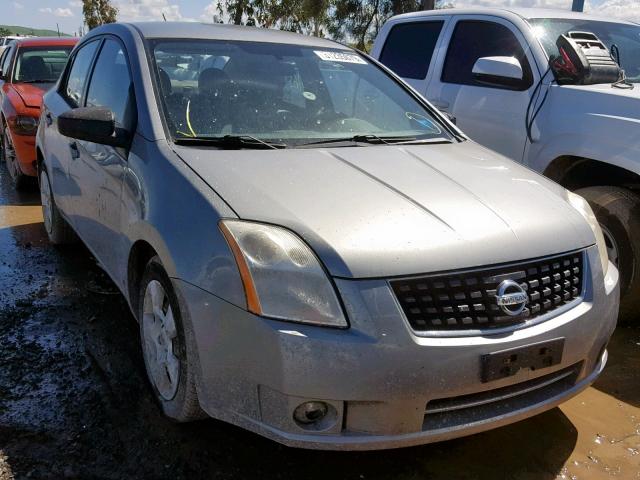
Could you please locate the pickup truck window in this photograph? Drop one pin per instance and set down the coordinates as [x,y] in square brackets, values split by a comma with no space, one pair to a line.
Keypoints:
[474,39]
[409,48]
[626,37]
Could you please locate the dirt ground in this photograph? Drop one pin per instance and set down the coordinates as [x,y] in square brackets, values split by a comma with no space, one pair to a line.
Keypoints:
[74,402]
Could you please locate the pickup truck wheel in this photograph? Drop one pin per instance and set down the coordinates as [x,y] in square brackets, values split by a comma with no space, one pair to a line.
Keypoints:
[168,354]
[58,230]
[618,211]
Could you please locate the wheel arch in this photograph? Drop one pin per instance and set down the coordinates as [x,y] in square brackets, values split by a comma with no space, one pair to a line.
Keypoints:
[573,172]
[139,255]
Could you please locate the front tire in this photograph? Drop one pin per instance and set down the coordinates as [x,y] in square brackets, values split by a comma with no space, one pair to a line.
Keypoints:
[618,211]
[168,354]
[58,230]
[19,179]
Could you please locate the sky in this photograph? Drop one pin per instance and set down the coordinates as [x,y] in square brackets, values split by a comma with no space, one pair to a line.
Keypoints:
[68,13]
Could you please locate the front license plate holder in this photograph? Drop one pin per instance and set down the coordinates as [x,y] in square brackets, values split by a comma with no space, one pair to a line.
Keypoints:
[506,363]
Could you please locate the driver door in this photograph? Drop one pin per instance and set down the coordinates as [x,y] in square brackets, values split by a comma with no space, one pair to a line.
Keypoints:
[98,169]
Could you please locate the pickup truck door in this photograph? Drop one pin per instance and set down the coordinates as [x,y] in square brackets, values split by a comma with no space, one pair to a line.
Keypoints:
[410,48]
[491,115]
[99,170]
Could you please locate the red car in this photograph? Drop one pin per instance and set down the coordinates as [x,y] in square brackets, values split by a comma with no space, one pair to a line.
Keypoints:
[28,68]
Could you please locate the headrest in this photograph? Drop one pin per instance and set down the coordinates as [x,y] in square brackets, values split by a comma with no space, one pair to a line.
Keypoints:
[212,80]
[165,83]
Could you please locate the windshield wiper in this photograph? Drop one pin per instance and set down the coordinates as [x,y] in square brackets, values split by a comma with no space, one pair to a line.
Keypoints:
[377,140]
[231,142]
[39,80]
[369,138]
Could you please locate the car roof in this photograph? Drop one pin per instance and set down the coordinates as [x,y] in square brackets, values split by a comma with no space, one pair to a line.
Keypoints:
[526,13]
[46,41]
[216,31]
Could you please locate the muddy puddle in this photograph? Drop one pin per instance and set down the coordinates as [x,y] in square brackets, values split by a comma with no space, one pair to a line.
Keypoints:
[74,402]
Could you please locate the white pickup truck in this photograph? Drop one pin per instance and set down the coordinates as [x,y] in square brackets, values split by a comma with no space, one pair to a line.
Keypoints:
[489,69]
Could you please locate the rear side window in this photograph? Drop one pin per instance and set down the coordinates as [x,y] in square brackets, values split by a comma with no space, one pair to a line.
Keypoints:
[409,48]
[6,60]
[110,85]
[3,55]
[474,39]
[77,78]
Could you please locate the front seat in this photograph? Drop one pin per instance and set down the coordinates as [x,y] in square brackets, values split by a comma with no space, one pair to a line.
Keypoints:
[34,68]
[174,102]
[210,110]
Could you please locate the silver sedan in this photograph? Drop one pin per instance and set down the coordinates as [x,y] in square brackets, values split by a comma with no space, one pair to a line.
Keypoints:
[311,250]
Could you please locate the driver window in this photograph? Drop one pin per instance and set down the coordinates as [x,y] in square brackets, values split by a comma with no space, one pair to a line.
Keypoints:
[111,85]
[77,78]
[474,39]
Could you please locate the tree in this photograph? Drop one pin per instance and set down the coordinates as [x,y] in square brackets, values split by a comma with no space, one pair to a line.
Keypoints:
[4,32]
[98,12]
[238,10]
[356,21]
[353,19]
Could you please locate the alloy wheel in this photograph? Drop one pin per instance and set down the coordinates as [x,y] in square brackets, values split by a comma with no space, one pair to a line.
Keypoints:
[159,336]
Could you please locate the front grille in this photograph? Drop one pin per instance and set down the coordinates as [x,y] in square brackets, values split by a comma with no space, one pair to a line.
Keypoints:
[466,300]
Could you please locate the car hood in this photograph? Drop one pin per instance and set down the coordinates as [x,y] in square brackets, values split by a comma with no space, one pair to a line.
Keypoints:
[383,211]
[30,94]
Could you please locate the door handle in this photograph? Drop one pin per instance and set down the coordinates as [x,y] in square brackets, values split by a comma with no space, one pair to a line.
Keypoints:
[75,152]
[440,104]
[48,119]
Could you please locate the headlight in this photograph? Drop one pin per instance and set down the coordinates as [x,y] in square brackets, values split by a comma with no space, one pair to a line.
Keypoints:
[25,125]
[282,277]
[584,208]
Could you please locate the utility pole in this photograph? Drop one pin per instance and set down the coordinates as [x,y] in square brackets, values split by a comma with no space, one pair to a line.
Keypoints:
[58,28]
[431,4]
[578,6]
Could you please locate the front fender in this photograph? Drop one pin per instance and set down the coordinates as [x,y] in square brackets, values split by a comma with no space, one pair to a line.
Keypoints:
[593,122]
[168,206]
[613,150]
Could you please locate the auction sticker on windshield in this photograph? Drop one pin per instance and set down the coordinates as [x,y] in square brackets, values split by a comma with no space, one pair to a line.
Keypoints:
[339,57]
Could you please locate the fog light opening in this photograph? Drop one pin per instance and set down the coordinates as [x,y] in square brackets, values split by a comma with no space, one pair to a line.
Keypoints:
[310,413]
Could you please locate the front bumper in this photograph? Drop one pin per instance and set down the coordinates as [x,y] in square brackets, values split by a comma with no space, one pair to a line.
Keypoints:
[25,147]
[378,377]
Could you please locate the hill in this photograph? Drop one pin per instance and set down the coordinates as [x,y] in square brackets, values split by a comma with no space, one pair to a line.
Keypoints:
[39,32]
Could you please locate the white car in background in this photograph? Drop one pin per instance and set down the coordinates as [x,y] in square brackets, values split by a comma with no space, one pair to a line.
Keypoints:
[6,41]
[489,69]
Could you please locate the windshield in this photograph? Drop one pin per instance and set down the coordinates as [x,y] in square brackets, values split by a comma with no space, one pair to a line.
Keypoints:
[40,65]
[284,93]
[625,37]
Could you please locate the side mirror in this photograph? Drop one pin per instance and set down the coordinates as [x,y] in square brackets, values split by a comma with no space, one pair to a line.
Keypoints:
[499,71]
[93,124]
